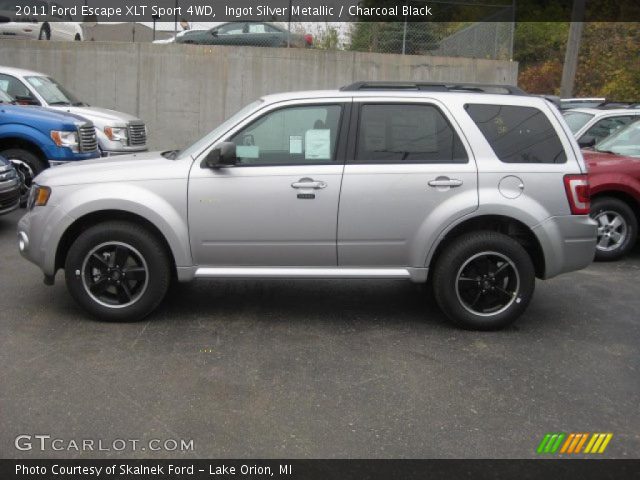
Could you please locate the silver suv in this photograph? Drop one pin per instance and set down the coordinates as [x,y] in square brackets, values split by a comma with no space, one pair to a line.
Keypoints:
[478,193]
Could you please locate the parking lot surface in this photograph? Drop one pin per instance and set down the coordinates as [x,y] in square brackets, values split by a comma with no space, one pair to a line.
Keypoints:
[323,369]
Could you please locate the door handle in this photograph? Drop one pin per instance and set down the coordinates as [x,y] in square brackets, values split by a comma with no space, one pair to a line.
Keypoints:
[309,183]
[445,182]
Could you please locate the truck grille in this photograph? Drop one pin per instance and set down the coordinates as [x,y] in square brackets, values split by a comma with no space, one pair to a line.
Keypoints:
[137,134]
[87,138]
[9,199]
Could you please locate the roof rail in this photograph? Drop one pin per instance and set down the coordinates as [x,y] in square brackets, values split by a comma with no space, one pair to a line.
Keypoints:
[611,104]
[435,87]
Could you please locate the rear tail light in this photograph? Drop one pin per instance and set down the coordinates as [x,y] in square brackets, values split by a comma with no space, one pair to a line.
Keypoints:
[577,188]
[309,39]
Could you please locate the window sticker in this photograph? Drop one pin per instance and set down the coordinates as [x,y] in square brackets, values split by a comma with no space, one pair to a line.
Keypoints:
[247,151]
[295,144]
[318,145]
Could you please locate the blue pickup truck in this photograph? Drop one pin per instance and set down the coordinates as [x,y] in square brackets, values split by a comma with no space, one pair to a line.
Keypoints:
[34,138]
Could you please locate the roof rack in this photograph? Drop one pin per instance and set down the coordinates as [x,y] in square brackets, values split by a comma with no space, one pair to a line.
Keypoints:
[611,104]
[435,87]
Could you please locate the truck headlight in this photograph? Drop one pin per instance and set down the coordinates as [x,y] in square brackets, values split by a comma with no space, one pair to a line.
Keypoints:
[65,139]
[116,134]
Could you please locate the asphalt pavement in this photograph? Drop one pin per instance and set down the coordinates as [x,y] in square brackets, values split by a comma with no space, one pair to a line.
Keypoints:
[320,369]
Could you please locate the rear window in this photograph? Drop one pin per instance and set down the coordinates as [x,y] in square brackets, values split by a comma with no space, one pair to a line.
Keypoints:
[518,134]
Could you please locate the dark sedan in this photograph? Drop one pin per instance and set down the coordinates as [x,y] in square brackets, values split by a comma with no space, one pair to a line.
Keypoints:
[256,34]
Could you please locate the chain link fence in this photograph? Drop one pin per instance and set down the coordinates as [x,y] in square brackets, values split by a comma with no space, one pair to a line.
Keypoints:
[491,38]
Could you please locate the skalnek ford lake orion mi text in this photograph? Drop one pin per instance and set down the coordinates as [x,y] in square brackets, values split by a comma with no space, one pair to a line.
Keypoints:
[133,470]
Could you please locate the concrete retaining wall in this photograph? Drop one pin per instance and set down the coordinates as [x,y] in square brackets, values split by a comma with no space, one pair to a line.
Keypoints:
[184,91]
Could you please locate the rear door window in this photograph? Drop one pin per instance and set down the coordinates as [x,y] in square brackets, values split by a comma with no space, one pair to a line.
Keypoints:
[403,133]
[518,134]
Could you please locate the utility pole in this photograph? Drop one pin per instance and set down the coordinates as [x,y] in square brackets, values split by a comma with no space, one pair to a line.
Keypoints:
[573,48]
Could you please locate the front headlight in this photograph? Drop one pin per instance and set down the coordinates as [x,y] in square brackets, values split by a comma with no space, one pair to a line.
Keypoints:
[38,196]
[65,139]
[116,134]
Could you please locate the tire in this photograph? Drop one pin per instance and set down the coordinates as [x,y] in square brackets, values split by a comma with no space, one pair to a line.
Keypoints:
[97,265]
[45,33]
[28,165]
[617,228]
[469,292]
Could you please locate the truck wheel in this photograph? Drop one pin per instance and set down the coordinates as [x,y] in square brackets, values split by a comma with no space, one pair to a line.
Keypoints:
[27,165]
[483,281]
[617,228]
[118,271]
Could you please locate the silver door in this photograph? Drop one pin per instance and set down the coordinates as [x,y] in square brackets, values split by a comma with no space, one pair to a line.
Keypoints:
[412,174]
[278,206]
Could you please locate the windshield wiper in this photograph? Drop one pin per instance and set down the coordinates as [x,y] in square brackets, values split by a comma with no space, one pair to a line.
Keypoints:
[80,104]
[59,103]
[606,151]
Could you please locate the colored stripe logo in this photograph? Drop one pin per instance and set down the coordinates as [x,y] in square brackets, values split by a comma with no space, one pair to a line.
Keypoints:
[572,443]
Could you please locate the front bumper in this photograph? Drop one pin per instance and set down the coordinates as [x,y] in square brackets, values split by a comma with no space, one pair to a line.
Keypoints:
[130,151]
[39,233]
[568,243]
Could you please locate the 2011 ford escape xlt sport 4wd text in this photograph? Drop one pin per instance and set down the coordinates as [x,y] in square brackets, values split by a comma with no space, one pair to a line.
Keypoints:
[478,189]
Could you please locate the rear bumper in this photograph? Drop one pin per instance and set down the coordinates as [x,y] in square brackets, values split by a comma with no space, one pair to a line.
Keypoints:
[568,243]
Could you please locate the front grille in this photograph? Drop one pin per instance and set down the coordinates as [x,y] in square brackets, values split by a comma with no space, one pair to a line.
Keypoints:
[137,134]
[9,199]
[87,138]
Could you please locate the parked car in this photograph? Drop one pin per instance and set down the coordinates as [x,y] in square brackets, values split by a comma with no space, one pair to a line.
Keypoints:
[592,125]
[34,138]
[118,133]
[47,27]
[614,175]
[9,187]
[257,34]
[479,192]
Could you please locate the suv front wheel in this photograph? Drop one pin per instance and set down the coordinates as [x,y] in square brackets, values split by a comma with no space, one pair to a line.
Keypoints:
[483,280]
[118,271]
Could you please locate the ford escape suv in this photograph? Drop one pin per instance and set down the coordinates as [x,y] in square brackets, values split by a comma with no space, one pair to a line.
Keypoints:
[478,192]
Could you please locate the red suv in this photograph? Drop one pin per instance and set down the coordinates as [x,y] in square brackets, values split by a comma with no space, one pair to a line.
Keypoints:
[614,176]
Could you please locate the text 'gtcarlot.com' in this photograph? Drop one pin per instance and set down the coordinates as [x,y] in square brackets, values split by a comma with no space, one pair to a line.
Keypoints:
[47,443]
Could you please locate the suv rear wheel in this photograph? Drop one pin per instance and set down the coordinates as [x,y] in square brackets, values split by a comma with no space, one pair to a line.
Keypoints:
[118,271]
[617,228]
[483,280]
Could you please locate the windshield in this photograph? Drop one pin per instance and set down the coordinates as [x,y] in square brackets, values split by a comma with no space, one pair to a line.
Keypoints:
[219,130]
[576,120]
[624,142]
[52,92]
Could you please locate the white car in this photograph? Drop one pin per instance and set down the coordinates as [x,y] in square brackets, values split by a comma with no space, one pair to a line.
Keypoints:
[40,28]
[591,125]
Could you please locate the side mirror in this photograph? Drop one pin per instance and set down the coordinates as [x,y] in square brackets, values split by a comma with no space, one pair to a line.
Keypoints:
[587,141]
[214,33]
[222,155]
